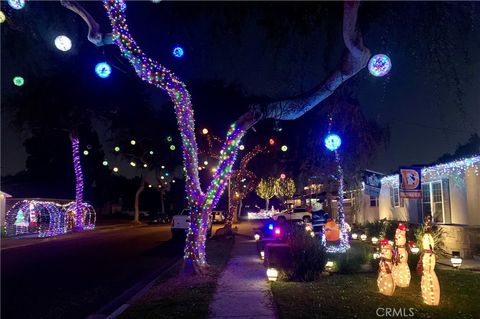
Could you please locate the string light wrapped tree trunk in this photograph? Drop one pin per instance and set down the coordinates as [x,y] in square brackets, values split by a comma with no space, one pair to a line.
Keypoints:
[201,203]
[242,182]
[77,166]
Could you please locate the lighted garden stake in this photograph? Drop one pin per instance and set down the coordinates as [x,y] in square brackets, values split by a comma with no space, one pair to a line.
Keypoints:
[363,237]
[374,240]
[401,271]
[262,255]
[456,260]
[256,236]
[272,274]
[355,236]
[329,266]
[426,263]
[385,282]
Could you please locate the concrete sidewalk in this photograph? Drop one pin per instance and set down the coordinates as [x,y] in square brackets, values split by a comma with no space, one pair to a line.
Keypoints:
[243,291]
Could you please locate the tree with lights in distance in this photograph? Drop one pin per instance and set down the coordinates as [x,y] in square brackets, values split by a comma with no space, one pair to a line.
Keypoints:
[266,190]
[201,201]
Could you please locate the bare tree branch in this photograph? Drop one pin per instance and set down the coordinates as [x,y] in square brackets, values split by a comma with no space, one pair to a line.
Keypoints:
[94,34]
[355,58]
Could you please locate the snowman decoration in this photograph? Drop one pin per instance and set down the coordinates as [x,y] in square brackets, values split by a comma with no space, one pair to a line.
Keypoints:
[400,271]
[426,265]
[385,282]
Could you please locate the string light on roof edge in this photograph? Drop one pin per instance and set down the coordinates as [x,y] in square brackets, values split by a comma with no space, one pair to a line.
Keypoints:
[103,70]
[379,65]
[63,43]
[16,4]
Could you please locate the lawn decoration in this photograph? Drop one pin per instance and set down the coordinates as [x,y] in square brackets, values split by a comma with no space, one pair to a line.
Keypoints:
[385,282]
[426,265]
[332,231]
[400,271]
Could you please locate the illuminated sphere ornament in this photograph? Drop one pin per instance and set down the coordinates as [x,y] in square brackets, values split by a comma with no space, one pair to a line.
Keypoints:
[133,142]
[151,152]
[241,147]
[133,164]
[63,43]
[103,70]
[332,142]
[117,149]
[271,141]
[172,147]
[85,152]
[115,169]
[2,17]
[379,65]
[16,4]
[205,131]
[18,81]
[283,176]
[169,138]
[105,163]
[178,52]
[284,148]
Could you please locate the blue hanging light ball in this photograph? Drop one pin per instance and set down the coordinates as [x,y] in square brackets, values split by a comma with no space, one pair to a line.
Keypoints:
[332,142]
[178,52]
[103,70]
[379,65]
[16,4]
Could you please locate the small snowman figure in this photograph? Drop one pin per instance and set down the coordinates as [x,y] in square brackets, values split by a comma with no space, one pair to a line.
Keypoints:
[426,265]
[400,271]
[385,282]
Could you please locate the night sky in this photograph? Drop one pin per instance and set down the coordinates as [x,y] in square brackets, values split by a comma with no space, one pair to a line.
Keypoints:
[430,101]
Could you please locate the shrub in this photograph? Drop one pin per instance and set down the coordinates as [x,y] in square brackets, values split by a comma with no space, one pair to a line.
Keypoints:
[351,261]
[437,234]
[378,228]
[307,254]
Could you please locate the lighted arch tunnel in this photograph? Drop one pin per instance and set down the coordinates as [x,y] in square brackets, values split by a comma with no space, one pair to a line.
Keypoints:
[30,217]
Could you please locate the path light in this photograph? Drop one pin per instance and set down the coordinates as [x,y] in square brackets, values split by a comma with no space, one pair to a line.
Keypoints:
[374,240]
[256,236]
[262,255]
[329,265]
[63,43]
[456,260]
[376,255]
[363,237]
[312,234]
[272,274]
[354,236]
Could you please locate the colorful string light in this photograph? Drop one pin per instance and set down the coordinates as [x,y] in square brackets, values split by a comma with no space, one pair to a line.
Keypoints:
[78,182]
[156,74]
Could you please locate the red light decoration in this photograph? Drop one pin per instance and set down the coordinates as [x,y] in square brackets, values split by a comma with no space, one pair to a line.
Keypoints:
[283,176]
[271,141]
[278,231]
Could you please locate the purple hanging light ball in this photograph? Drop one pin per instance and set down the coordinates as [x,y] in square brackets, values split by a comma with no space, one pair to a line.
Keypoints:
[379,65]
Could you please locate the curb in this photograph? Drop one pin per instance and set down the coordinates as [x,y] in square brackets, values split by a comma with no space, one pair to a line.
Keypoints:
[121,303]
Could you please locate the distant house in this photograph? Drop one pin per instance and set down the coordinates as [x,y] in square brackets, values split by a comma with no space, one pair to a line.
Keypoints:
[450,193]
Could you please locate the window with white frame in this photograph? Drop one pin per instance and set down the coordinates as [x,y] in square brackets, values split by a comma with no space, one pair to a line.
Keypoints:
[436,201]
[395,197]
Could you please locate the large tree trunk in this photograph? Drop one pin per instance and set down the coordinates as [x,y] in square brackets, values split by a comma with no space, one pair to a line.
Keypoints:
[162,200]
[355,58]
[79,218]
[231,215]
[136,218]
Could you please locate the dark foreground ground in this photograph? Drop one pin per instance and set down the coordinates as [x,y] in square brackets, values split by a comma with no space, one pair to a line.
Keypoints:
[75,276]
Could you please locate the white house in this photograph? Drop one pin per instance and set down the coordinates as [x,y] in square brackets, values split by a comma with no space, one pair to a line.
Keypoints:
[450,193]
[3,200]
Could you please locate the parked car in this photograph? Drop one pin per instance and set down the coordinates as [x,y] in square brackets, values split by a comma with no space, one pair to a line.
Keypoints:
[298,213]
[218,217]
[159,218]
[181,223]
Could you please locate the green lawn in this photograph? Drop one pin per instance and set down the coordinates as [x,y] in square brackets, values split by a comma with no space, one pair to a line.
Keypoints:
[356,296]
[184,296]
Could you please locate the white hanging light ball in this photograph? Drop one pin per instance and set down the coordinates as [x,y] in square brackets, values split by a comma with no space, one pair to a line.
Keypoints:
[63,43]
[16,4]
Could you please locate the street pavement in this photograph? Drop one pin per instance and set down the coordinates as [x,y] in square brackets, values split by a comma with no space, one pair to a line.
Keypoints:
[74,276]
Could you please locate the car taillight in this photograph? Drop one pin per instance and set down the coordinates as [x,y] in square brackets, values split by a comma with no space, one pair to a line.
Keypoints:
[278,231]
